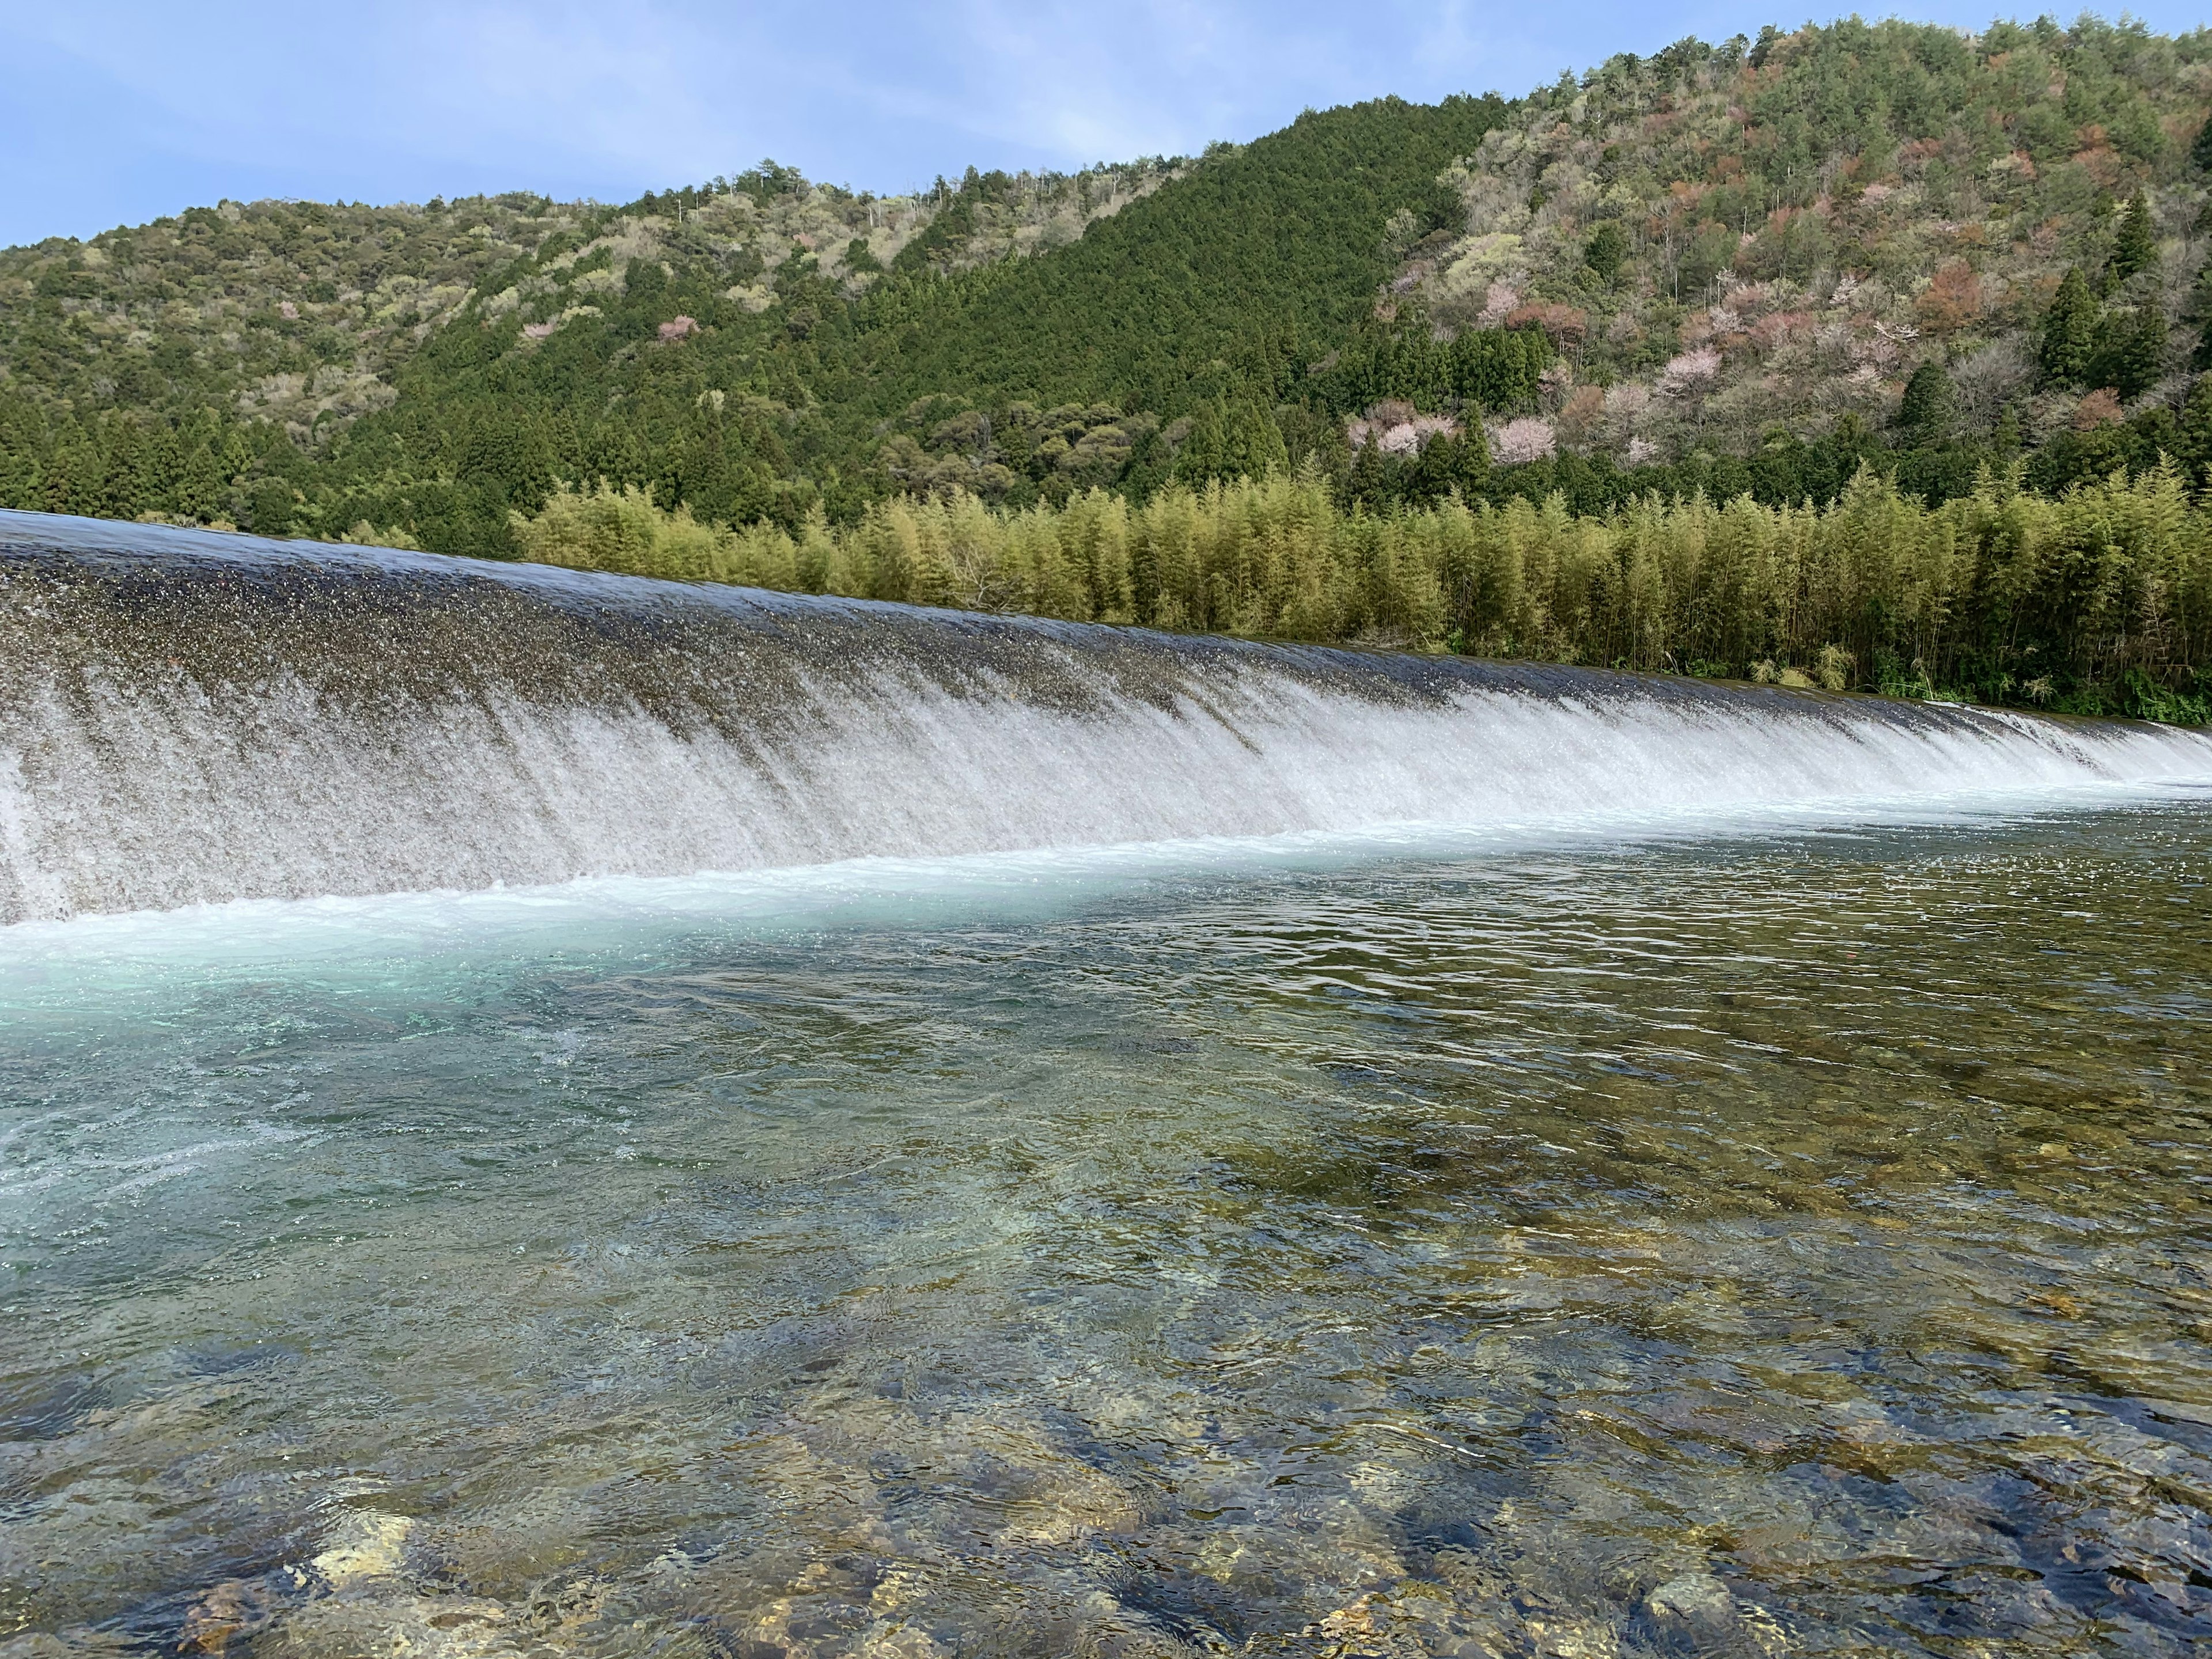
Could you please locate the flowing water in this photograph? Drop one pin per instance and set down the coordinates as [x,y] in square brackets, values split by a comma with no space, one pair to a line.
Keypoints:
[187,718]
[1732,1178]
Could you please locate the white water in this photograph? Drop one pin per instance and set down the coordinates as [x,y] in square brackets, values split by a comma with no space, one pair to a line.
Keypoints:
[129,780]
[176,804]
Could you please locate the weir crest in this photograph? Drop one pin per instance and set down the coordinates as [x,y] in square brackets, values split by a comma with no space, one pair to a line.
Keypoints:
[188,717]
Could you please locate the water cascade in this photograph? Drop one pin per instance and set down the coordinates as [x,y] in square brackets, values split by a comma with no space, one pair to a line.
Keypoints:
[188,717]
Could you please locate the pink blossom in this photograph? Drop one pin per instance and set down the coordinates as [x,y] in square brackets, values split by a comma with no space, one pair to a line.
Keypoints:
[1395,429]
[1694,366]
[1528,439]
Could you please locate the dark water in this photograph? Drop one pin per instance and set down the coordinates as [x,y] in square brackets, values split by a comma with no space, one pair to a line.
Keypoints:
[1796,1246]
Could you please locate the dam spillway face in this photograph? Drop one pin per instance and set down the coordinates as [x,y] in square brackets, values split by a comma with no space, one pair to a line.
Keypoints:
[189,717]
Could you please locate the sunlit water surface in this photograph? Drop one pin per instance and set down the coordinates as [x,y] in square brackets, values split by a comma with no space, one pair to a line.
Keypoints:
[1795,1244]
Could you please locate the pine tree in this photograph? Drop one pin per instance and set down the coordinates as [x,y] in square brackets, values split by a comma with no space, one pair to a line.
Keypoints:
[2134,244]
[22,482]
[2196,311]
[2130,352]
[2146,361]
[200,491]
[2069,331]
[1205,452]
[1930,406]
[121,493]
[1449,462]
[1606,247]
[1470,460]
[1253,446]
[2193,441]
[2008,439]
[1369,485]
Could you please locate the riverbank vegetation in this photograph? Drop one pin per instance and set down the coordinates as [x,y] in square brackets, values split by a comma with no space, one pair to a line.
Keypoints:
[1767,280]
[2099,602]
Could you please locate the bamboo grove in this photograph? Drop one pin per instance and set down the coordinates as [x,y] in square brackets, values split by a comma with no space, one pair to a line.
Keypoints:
[2099,601]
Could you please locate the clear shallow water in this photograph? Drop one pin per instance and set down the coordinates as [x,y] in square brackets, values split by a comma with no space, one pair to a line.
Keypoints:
[1790,1245]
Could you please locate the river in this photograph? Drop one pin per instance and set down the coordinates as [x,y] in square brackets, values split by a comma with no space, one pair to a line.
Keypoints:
[1692,1216]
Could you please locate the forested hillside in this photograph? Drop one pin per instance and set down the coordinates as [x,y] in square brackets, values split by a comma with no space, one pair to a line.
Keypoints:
[1886,242]
[218,367]
[1760,268]
[761,349]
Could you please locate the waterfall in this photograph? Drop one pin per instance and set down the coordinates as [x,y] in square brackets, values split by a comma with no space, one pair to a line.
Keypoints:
[189,717]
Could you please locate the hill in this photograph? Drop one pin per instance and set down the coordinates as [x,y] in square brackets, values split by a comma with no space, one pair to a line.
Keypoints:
[1774,251]
[752,349]
[284,364]
[1751,268]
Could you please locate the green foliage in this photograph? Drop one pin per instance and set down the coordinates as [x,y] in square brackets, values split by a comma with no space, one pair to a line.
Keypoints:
[2197,313]
[430,367]
[1605,249]
[2068,339]
[621,531]
[2130,350]
[705,346]
[2103,597]
[2146,699]
[1494,369]
[1744,273]
[1812,220]
[1231,440]
[299,312]
[2135,243]
[1233,275]
[1448,465]
[1711,250]
[1930,406]
[2083,344]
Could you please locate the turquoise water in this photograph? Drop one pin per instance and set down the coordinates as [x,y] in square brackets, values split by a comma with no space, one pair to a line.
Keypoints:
[1789,1244]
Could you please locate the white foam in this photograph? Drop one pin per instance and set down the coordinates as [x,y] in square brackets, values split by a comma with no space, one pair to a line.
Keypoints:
[126,786]
[53,964]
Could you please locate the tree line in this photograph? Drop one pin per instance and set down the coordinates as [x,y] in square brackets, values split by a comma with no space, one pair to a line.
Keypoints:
[2098,602]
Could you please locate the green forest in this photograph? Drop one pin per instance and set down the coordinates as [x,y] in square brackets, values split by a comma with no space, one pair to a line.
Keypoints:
[1772,282]
[2082,603]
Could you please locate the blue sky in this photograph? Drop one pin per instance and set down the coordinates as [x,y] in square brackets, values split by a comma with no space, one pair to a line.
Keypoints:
[115,111]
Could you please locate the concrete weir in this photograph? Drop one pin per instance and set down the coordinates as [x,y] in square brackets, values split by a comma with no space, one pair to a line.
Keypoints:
[188,717]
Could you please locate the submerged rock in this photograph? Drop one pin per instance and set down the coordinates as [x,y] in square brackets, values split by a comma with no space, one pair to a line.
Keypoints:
[365,1544]
[358,1625]
[1695,1612]
[76,1643]
[366,1606]
[1692,1595]
[233,1608]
